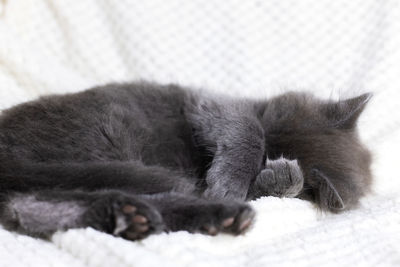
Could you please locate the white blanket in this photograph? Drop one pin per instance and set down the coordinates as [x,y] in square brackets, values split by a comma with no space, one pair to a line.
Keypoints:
[249,48]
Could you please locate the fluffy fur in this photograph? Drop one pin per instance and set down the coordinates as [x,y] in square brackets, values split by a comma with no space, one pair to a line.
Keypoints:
[137,159]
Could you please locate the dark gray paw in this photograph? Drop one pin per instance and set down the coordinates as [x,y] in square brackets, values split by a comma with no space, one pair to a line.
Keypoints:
[125,216]
[213,218]
[232,220]
[280,178]
[135,220]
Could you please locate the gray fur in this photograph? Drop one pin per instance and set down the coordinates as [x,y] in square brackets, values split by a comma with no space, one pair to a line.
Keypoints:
[280,178]
[30,213]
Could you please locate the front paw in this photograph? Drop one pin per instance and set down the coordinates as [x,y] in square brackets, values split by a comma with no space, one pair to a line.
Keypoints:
[280,178]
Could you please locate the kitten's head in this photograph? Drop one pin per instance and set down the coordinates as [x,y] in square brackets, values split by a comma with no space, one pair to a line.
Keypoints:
[322,136]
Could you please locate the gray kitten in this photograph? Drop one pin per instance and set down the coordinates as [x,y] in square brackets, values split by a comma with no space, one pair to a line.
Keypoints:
[137,159]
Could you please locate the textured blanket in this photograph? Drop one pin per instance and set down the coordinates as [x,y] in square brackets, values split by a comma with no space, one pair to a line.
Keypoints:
[247,48]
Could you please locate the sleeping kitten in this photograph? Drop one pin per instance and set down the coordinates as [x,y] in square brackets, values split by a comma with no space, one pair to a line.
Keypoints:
[136,159]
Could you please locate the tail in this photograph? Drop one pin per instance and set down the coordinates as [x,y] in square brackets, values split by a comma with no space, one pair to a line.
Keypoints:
[91,176]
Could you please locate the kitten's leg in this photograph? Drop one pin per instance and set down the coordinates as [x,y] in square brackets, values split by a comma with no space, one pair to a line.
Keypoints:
[128,176]
[235,136]
[192,214]
[41,213]
[280,178]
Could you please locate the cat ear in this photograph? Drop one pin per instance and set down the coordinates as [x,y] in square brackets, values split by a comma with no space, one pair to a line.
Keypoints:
[344,114]
[329,197]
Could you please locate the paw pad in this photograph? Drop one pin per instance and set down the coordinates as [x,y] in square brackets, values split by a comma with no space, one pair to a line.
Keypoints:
[236,224]
[136,222]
